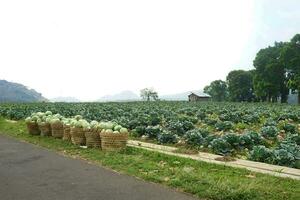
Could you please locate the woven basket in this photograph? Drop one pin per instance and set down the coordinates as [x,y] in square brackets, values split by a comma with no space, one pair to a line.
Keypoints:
[45,129]
[33,128]
[92,138]
[113,141]
[57,130]
[77,136]
[67,134]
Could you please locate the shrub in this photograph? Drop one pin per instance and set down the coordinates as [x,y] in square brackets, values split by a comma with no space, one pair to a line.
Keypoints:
[291,149]
[194,137]
[201,115]
[204,132]
[154,119]
[210,121]
[289,128]
[269,132]
[176,127]
[283,157]
[261,154]
[232,139]
[153,131]
[253,118]
[270,123]
[224,126]
[293,138]
[166,137]
[249,139]
[220,146]
[209,139]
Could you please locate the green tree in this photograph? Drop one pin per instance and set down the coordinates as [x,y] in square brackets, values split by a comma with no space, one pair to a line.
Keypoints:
[269,79]
[240,86]
[217,90]
[290,56]
[148,94]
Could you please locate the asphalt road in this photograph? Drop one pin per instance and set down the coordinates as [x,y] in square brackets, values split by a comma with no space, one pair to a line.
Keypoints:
[28,172]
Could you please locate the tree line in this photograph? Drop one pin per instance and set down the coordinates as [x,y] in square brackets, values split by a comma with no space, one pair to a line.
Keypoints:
[276,71]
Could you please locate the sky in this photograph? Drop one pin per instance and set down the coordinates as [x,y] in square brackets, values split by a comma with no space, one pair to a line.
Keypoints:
[87,49]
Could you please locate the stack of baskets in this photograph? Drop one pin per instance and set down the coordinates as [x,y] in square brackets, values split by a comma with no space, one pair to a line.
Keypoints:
[106,135]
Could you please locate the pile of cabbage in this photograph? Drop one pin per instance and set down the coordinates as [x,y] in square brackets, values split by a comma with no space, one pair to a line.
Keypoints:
[40,117]
[111,127]
[77,121]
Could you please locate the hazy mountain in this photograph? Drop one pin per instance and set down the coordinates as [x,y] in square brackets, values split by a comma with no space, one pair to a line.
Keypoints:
[64,99]
[131,96]
[122,96]
[180,96]
[15,92]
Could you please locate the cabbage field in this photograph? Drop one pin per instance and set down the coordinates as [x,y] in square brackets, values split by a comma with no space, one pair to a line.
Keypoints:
[267,133]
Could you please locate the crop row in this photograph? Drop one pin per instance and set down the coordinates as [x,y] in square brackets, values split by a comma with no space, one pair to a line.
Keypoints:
[261,132]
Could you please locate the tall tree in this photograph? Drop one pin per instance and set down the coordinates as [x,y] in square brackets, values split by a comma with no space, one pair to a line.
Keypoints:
[290,56]
[269,77]
[148,94]
[217,90]
[240,85]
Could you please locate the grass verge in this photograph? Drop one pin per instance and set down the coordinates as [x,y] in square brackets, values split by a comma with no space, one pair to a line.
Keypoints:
[204,180]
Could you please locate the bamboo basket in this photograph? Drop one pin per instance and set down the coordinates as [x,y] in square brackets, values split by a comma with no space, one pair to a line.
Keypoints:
[57,130]
[77,136]
[33,128]
[45,129]
[92,138]
[113,141]
[67,134]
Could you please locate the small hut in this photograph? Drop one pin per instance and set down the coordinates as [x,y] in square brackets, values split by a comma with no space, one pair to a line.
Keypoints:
[199,97]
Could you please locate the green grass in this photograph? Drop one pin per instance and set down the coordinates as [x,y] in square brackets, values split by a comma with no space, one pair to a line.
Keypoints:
[206,181]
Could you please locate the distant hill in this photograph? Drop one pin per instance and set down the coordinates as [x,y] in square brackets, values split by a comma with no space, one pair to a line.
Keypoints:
[122,96]
[180,96]
[131,96]
[64,99]
[15,92]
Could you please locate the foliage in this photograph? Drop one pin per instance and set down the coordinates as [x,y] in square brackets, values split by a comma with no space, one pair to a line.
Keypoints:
[249,139]
[224,128]
[269,77]
[179,127]
[276,70]
[153,131]
[290,57]
[221,146]
[288,127]
[217,90]
[261,153]
[166,137]
[269,132]
[224,125]
[232,139]
[240,85]
[194,137]
[148,94]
